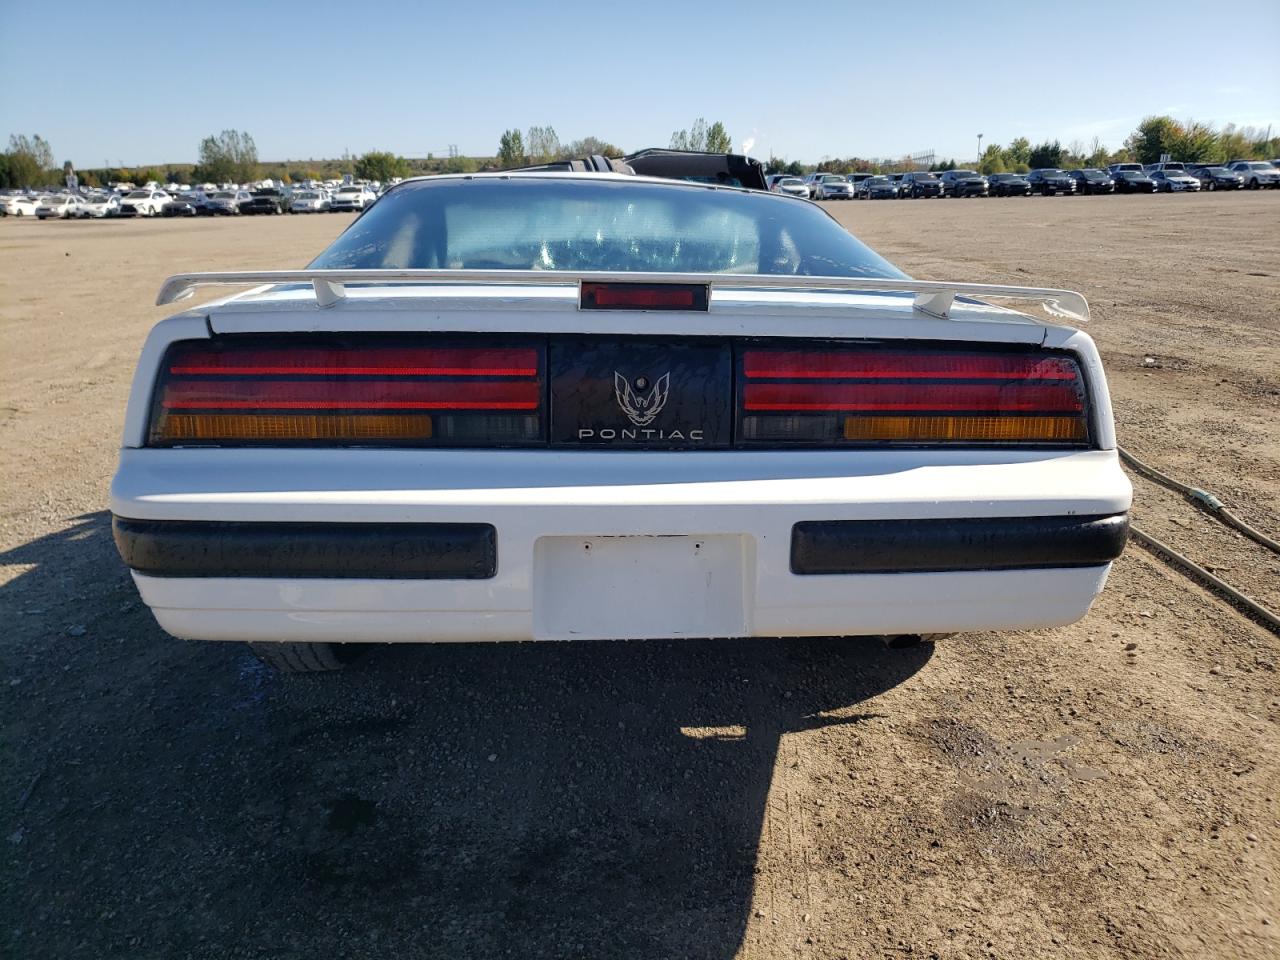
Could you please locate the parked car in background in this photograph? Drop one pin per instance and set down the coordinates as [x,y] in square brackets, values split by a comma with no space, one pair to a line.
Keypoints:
[226,203]
[1008,185]
[144,202]
[1257,174]
[266,200]
[963,183]
[1217,178]
[351,197]
[915,186]
[1114,168]
[1133,181]
[857,179]
[792,187]
[309,201]
[1050,180]
[1172,166]
[103,205]
[194,204]
[18,205]
[831,186]
[1092,181]
[61,206]
[880,188]
[1175,181]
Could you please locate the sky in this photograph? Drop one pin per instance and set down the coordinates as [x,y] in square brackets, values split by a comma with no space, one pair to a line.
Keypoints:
[802,82]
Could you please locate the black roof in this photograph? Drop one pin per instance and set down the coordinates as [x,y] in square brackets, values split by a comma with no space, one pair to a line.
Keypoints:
[731,169]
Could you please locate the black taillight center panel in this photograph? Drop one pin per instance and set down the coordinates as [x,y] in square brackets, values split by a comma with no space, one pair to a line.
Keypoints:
[641,393]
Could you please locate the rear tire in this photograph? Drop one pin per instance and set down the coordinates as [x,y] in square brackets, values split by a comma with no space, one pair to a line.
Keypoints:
[902,641]
[291,657]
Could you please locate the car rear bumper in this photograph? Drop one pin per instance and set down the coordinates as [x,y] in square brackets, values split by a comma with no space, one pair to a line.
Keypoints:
[614,545]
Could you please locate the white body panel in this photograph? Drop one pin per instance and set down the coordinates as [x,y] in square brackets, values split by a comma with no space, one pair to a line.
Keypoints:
[609,544]
[391,611]
[564,500]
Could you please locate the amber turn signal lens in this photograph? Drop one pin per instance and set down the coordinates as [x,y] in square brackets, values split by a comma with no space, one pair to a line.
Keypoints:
[976,429]
[268,427]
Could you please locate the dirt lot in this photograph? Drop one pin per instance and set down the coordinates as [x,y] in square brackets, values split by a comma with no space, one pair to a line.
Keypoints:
[1045,794]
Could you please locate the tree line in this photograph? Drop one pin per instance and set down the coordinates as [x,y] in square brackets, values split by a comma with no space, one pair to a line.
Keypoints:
[1155,136]
[542,145]
[232,156]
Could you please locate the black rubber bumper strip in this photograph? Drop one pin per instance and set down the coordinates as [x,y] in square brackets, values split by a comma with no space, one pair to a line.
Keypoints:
[990,543]
[399,551]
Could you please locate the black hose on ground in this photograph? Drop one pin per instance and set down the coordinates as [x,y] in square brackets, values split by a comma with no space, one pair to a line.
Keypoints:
[1246,605]
[1200,498]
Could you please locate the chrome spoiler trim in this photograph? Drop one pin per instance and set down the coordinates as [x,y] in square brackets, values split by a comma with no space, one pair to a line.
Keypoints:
[932,297]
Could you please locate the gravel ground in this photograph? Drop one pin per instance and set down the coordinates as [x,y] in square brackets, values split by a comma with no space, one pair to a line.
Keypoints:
[1106,790]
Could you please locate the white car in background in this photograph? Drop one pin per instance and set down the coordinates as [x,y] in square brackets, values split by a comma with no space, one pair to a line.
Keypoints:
[144,202]
[19,206]
[99,206]
[60,206]
[830,186]
[1256,173]
[352,197]
[554,406]
[792,186]
[310,201]
[1168,180]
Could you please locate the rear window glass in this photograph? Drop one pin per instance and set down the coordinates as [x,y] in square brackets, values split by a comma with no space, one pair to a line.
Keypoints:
[585,224]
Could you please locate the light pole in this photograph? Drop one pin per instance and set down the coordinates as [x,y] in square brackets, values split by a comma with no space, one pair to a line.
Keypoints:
[979,148]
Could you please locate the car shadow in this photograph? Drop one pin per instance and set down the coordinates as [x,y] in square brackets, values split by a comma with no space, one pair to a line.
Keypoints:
[537,800]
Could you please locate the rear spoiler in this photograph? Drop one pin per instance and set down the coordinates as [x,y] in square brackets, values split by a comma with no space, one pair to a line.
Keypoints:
[932,297]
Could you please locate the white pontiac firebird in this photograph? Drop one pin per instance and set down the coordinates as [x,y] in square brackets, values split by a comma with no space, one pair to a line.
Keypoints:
[551,406]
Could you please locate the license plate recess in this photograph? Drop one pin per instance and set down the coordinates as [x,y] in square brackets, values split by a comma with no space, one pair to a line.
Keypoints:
[636,587]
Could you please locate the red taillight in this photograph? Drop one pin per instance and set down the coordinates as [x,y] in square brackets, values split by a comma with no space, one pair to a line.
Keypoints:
[366,361]
[644,296]
[850,394]
[330,392]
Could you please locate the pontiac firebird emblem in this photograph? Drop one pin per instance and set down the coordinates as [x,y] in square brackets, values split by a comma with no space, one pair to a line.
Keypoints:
[641,410]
